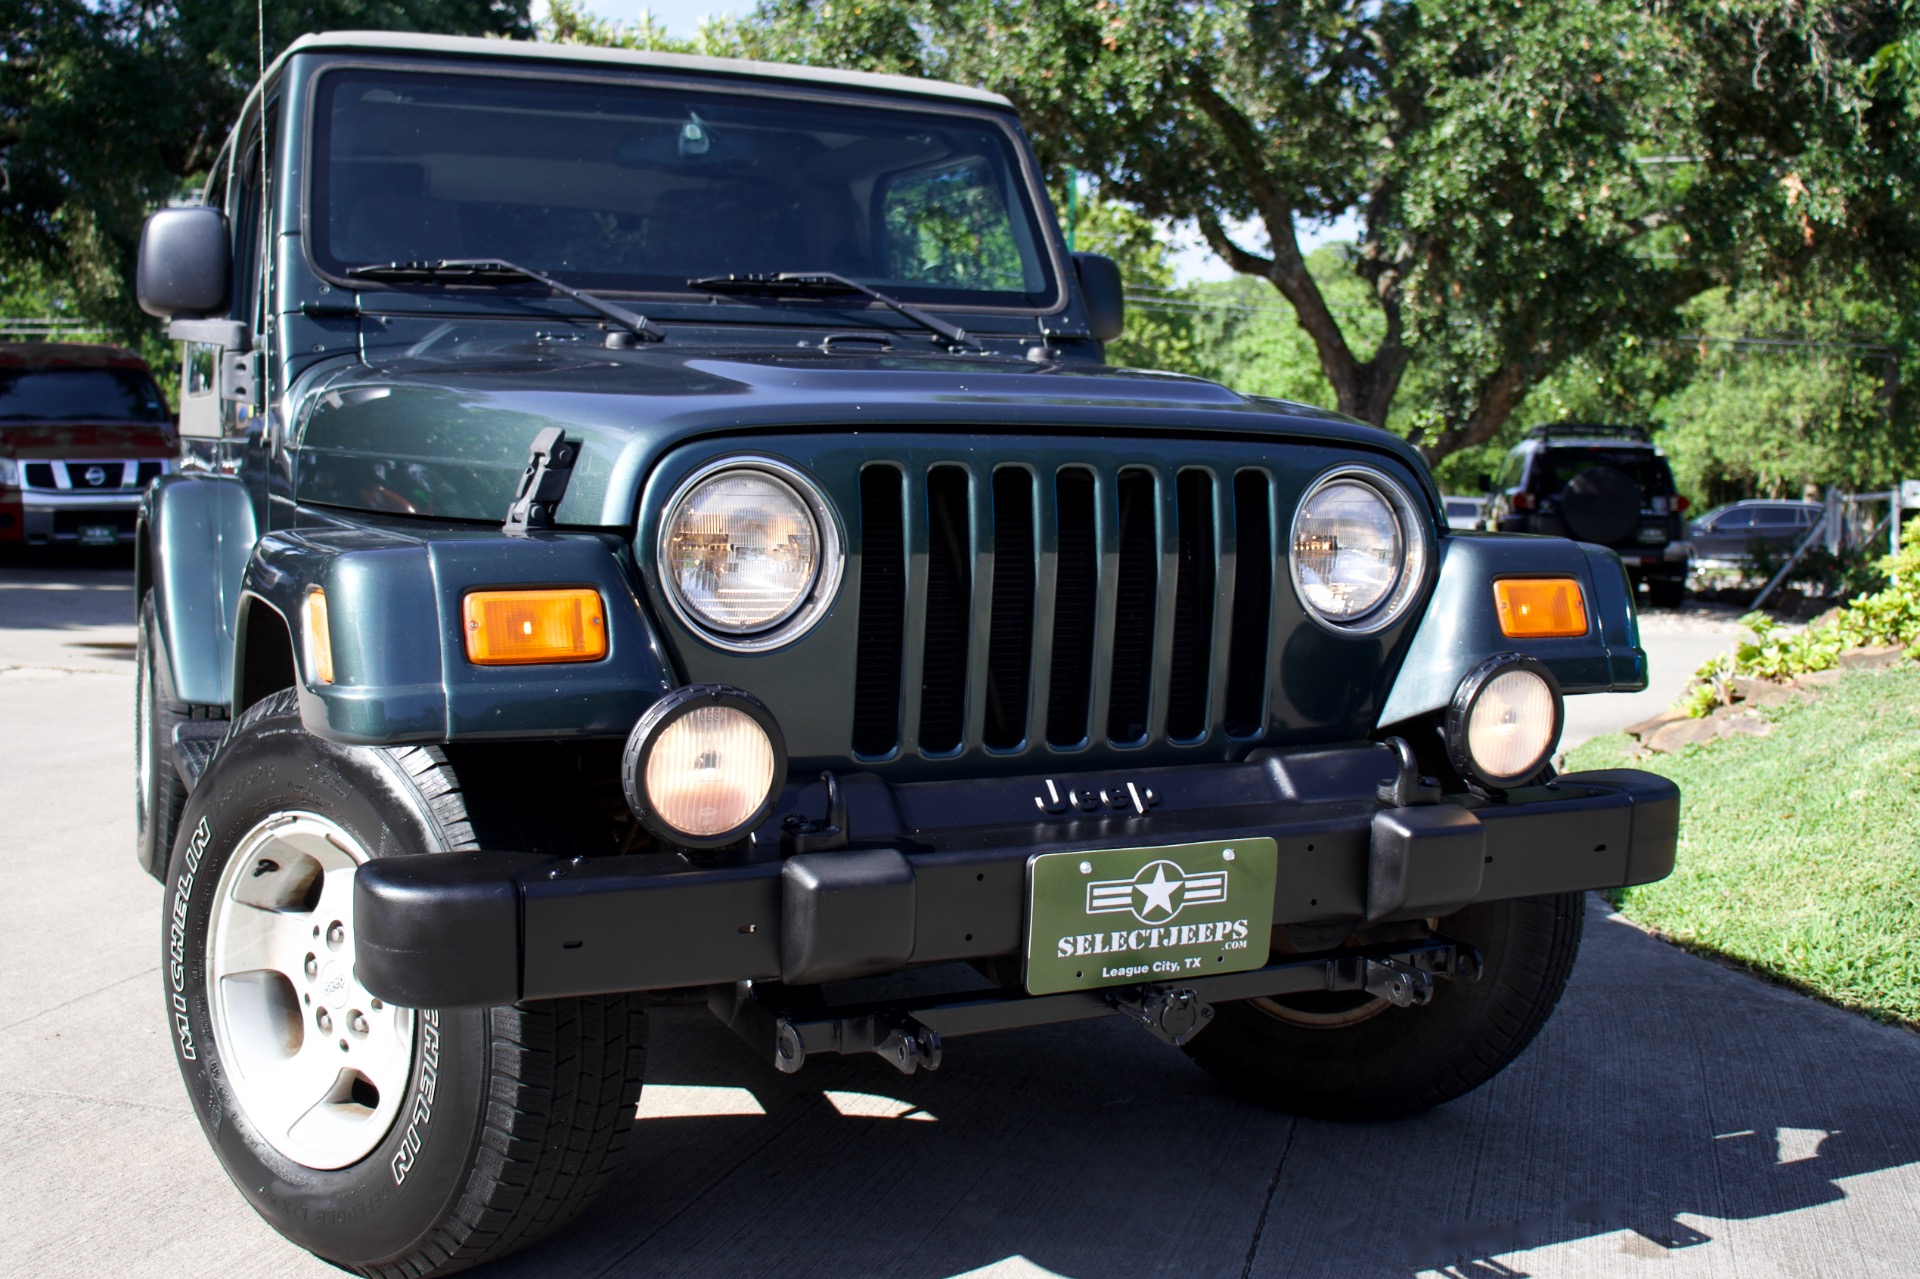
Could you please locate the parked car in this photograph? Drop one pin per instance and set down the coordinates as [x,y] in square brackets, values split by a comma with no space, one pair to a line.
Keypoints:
[1465,512]
[783,592]
[1603,484]
[83,431]
[1736,532]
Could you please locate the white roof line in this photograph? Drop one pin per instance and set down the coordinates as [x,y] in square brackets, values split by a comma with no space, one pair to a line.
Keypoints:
[470,46]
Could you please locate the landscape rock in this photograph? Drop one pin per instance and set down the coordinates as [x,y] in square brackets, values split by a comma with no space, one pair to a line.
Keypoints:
[1872,658]
[1684,732]
[1648,727]
[1743,726]
[1763,693]
[1817,679]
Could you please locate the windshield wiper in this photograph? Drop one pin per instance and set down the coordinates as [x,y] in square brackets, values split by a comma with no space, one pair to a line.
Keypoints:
[472,269]
[818,283]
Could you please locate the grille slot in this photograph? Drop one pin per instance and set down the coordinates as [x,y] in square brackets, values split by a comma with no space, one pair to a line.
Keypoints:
[1133,614]
[39,475]
[1010,643]
[883,606]
[943,673]
[1252,602]
[1187,680]
[1076,595]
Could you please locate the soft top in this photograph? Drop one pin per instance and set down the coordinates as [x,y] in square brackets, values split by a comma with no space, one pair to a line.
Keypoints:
[67,355]
[469,46]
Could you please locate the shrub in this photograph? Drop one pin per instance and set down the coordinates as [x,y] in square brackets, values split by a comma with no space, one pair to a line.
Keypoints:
[1889,616]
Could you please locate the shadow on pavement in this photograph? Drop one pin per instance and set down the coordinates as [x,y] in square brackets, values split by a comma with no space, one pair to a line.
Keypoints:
[1665,1086]
[62,589]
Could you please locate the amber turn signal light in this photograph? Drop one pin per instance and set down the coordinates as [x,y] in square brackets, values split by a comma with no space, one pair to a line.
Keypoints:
[319,637]
[521,628]
[1540,608]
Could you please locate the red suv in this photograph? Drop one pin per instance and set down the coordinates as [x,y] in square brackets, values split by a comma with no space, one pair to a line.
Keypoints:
[83,430]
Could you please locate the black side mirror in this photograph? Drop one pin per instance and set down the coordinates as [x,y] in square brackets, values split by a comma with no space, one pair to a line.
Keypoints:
[1106,301]
[185,260]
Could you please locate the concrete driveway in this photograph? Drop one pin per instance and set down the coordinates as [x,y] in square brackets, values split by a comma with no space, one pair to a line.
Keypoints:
[1675,1118]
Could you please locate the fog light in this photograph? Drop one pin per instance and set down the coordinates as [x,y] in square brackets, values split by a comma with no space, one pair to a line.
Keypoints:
[1504,721]
[703,765]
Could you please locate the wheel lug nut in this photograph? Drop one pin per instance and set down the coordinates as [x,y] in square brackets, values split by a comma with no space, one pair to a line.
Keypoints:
[357,1022]
[343,1045]
[336,934]
[312,967]
[324,1020]
[376,1005]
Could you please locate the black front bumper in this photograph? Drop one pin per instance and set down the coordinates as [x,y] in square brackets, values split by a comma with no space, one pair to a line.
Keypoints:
[937,872]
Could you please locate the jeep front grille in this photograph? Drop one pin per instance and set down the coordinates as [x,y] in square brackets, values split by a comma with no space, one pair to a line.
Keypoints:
[1088,603]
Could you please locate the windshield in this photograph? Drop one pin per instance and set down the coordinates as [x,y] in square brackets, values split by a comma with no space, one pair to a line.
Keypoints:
[633,188]
[80,395]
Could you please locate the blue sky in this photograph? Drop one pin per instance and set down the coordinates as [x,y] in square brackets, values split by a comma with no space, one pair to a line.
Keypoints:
[1191,260]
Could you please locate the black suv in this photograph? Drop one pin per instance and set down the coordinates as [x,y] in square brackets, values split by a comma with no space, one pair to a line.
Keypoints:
[1607,485]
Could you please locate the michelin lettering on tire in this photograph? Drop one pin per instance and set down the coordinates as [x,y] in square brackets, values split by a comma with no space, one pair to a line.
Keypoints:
[415,1135]
[177,939]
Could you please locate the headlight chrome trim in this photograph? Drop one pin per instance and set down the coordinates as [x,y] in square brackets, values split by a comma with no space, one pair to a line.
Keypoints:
[811,606]
[1415,542]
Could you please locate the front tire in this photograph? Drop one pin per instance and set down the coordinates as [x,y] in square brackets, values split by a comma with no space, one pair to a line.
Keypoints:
[1357,1058]
[391,1142]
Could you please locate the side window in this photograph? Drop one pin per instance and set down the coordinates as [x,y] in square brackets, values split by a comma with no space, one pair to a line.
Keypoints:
[1777,517]
[1510,472]
[950,226]
[1733,521]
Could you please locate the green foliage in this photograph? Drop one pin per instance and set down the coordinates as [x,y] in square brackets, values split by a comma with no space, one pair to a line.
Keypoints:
[1160,333]
[1535,183]
[1883,618]
[1799,851]
[1771,420]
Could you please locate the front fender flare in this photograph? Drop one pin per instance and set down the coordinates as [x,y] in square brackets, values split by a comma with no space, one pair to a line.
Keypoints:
[399,654]
[196,534]
[1461,627]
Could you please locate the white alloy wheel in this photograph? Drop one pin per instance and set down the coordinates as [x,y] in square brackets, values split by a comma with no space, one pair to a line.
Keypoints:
[318,1065]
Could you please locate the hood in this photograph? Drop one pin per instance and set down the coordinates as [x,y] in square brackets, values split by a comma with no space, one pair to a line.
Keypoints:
[111,440]
[449,438]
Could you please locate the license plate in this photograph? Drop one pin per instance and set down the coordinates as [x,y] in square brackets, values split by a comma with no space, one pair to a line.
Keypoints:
[1653,535]
[1128,915]
[98,535]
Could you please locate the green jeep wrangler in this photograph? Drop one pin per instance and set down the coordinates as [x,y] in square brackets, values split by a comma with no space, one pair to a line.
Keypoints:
[660,529]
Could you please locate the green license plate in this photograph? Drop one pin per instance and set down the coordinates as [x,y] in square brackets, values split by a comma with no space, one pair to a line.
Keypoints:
[98,535]
[1129,915]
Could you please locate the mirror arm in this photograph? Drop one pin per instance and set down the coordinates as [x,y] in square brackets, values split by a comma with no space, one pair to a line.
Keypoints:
[229,335]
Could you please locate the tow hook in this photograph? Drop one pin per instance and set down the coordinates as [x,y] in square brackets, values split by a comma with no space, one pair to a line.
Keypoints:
[1170,1015]
[1400,984]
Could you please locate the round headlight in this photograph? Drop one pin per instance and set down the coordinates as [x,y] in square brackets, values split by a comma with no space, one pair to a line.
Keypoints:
[1357,550]
[1504,720]
[703,765]
[749,553]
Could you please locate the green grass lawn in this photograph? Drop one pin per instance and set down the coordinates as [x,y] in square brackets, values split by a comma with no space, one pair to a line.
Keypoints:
[1800,851]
